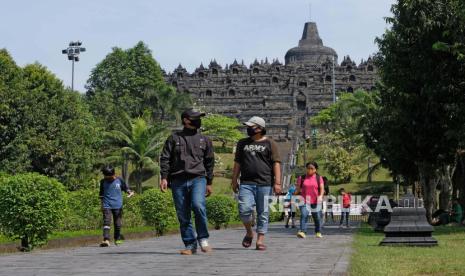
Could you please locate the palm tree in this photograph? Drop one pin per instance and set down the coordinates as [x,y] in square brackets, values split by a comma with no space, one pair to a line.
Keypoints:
[138,142]
[167,101]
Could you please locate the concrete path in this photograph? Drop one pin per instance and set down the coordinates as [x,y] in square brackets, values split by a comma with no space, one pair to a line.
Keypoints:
[286,255]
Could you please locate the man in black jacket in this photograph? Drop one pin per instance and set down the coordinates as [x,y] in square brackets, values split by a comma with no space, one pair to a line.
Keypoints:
[186,163]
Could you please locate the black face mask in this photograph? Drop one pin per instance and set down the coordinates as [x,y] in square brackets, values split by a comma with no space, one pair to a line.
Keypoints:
[251,131]
[196,123]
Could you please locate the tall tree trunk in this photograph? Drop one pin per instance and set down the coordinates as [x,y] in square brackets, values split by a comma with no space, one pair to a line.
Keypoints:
[139,180]
[446,186]
[428,186]
[125,170]
[459,178]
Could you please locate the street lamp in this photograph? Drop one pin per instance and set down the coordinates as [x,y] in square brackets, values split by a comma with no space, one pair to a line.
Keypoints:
[73,52]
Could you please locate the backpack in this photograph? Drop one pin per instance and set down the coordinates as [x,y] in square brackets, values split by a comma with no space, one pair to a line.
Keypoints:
[326,185]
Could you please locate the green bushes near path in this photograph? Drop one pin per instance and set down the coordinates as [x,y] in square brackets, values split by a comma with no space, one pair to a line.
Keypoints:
[221,210]
[157,210]
[83,211]
[32,206]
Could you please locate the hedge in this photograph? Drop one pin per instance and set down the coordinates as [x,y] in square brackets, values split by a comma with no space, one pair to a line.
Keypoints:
[221,210]
[31,207]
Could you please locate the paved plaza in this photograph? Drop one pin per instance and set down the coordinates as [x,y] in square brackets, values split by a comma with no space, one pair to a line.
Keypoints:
[286,255]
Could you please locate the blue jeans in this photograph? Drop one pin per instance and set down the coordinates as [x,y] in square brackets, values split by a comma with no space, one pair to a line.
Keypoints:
[305,210]
[251,195]
[188,196]
[345,214]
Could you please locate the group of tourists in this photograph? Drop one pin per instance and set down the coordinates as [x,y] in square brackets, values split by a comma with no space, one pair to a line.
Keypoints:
[186,167]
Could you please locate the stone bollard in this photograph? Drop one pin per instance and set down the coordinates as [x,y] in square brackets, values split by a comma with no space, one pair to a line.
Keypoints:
[408,225]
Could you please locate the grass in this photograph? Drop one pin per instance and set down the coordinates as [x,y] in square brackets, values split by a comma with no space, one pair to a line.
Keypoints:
[222,186]
[83,233]
[446,259]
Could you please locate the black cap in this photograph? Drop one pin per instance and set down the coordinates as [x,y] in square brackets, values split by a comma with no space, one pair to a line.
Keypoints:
[192,113]
[108,171]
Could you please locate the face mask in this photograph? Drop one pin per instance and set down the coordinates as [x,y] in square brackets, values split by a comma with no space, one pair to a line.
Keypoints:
[196,123]
[251,131]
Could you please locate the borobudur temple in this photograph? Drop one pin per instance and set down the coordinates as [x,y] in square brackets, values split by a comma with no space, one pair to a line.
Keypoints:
[284,94]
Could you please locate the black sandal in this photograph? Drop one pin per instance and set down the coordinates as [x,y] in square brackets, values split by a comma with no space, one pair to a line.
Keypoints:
[247,242]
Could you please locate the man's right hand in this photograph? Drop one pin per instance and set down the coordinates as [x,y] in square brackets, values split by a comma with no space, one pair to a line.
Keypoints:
[235,186]
[164,185]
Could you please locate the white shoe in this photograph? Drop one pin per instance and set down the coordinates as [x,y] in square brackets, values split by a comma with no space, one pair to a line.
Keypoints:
[204,246]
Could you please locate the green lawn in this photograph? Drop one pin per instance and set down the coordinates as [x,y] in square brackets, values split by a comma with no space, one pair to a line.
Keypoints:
[222,186]
[446,259]
[83,233]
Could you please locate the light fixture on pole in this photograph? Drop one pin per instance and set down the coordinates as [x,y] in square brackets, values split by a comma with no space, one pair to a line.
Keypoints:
[73,52]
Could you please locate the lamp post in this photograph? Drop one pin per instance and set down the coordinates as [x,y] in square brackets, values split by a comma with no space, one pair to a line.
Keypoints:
[73,51]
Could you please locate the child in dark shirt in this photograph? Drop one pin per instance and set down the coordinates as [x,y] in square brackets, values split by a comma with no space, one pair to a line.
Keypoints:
[112,204]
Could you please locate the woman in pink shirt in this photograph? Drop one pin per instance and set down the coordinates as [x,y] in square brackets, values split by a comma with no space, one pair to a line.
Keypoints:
[311,188]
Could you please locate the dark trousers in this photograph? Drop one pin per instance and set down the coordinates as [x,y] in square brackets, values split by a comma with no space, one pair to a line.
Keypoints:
[117,222]
[331,214]
[346,215]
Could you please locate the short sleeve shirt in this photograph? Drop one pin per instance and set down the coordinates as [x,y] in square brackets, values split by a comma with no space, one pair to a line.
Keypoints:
[309,188]
[257,159]
[111,193]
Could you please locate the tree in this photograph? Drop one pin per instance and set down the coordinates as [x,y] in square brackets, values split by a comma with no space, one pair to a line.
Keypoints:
[338,163]
[167,101]
[48,129]
[139,142]
[342,126]
[130,81]
[222,128]
[420,122]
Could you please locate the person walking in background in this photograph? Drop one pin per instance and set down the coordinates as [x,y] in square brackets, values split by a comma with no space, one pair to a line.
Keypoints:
[111,199]
[328,201]
[186,164]
[345,210]
[258,163]
[311,188]
[289,208]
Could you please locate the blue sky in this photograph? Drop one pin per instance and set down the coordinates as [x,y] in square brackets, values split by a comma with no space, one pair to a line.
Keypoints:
[183,31]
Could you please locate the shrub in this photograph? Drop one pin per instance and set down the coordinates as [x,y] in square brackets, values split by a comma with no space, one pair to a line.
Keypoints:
[132,215]
[275,216]
[157,210]
[221,210]
[31,207]
[83,211]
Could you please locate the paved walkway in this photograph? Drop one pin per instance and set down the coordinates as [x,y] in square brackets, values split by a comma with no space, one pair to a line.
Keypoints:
[286,255]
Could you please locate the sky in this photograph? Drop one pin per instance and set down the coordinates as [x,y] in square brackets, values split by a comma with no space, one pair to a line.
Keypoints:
[183,31]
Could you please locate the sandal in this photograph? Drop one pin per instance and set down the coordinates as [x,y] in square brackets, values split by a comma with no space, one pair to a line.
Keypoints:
[260,247]
[247,242]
